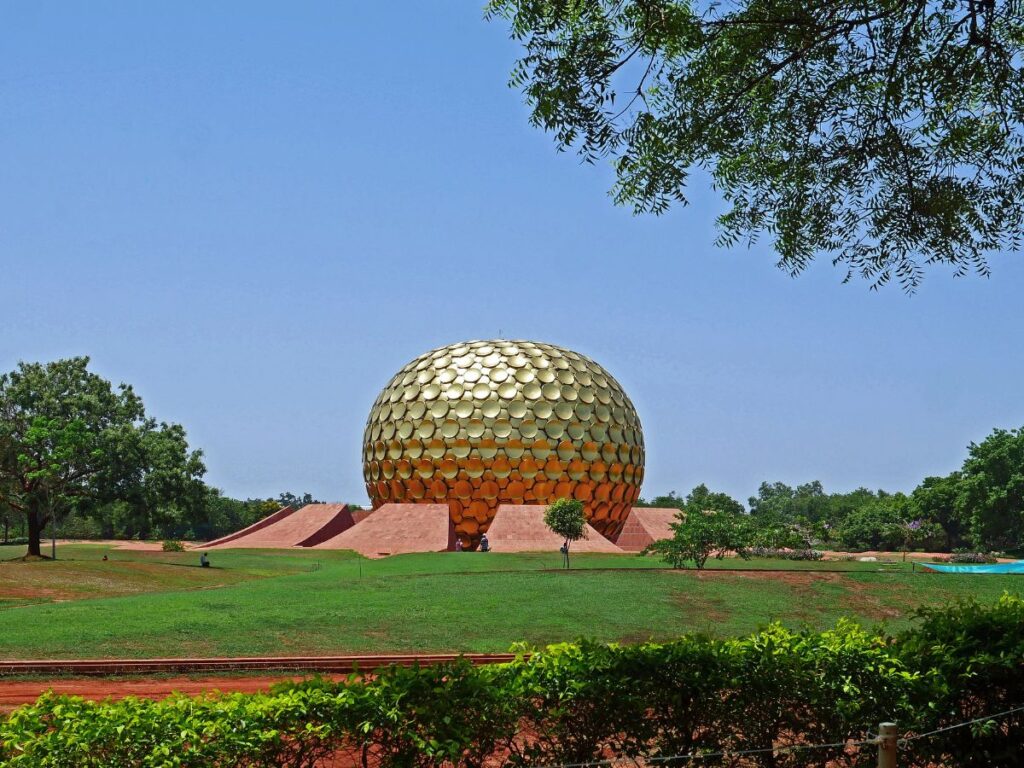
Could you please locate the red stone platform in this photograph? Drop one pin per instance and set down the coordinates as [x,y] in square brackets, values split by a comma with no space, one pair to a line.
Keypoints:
[520,528]
[305,527]
[396,529]
[644,526]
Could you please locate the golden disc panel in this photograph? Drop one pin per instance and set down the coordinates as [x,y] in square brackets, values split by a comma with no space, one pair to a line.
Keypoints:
[485,423]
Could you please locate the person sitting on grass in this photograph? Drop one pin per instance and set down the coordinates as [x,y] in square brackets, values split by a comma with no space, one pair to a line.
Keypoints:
[458,545]
[204,561]
[485,545]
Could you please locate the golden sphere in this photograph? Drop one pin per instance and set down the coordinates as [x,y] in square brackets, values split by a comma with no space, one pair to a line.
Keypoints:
[484,423]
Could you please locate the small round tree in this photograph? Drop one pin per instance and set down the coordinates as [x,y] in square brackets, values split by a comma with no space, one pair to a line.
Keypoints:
[565,517]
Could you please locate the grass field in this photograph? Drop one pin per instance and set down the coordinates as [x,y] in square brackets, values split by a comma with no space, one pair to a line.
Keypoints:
[146,604]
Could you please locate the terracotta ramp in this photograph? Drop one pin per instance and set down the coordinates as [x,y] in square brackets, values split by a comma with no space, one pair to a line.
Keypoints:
[282,513]
[646,525]
[308,526]
[342,520]
[520,528]
[396,529]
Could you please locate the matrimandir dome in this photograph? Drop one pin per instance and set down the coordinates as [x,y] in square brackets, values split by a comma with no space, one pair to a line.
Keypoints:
[484,423]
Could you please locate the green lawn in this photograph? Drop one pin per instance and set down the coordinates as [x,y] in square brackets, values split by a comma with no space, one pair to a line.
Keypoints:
[141,604]
[82,573]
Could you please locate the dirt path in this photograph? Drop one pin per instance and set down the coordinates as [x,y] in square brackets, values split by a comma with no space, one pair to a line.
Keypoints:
[13,693]
[128,544]
[191,676]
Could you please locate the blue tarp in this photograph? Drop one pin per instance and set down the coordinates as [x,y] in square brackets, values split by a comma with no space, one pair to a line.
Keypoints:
[1015,567]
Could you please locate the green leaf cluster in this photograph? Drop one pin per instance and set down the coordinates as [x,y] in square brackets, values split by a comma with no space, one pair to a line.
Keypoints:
[884,134]
[71,441]
[566,518]
[709,525]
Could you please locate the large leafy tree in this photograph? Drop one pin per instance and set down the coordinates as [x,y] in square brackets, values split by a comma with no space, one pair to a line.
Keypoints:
[935,499]
[702,497]
[990,493]
[70,440]
[874,523]
[885,134]
[805,503]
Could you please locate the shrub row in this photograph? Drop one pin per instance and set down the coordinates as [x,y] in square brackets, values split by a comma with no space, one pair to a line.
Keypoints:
[785,554]
[585,701]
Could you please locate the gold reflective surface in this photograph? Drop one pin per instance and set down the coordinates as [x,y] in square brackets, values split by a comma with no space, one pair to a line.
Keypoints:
[485,423]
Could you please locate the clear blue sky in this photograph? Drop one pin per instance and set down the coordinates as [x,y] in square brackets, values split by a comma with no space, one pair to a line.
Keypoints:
[256,214]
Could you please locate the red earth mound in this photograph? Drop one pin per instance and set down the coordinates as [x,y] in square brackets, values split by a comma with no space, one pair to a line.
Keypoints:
[396,529]
[520,528]
[644,526]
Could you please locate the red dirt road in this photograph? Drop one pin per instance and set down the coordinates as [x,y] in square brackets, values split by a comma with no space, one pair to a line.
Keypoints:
[14,693]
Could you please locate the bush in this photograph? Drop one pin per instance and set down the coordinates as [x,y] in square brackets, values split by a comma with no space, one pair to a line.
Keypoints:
[585,702]
[699,536]
[972,558]
[786,554]
[170,545]
[970,663]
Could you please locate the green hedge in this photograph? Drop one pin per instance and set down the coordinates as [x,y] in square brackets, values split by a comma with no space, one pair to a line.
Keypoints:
[586,701]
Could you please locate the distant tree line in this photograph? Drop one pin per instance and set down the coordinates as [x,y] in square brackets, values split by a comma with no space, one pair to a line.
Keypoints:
[979,507]
[214,515]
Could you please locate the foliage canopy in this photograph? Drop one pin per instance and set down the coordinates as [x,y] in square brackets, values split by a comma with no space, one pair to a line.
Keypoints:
[565,517]
[70,440]
[990,493]
[883,133]
[711,524]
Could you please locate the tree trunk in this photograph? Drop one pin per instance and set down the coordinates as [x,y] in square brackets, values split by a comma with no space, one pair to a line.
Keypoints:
[35,529]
